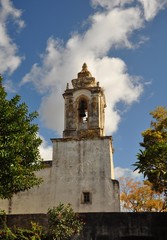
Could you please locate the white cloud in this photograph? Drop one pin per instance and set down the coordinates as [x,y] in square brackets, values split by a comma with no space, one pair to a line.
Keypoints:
[110,27]
[9,86]
[127,172]
[45,150]
[9,60]
[118,86]
[110,4]
[152,7]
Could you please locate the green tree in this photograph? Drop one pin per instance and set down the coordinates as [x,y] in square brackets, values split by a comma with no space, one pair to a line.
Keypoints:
[63,222]
[138,196]
[19,146]
[35,232]
[152,161]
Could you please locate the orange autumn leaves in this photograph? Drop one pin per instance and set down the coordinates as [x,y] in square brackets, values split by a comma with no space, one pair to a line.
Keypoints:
[139,196]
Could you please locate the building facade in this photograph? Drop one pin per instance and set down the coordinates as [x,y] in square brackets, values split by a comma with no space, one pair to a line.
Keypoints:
[82,170]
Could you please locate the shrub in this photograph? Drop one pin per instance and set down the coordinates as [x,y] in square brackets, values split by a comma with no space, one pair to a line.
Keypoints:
[63,222]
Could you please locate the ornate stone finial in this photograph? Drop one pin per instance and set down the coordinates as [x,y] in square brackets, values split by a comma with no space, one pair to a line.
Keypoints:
[84,68]
[84,79]
[84,72]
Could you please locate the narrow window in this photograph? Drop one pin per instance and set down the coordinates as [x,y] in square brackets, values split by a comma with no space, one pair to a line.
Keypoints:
[86,197]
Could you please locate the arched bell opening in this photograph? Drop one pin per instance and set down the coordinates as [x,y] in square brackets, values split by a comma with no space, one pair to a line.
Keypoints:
[83,114]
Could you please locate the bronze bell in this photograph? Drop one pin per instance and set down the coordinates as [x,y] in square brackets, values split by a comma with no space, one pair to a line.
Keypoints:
[82,112]
[82,108]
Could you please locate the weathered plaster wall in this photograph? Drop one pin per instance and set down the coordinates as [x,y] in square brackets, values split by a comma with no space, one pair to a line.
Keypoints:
[78,165]
[85,165]
[36,200]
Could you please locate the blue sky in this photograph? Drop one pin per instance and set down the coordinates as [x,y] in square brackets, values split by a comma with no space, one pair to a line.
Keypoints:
[43,45]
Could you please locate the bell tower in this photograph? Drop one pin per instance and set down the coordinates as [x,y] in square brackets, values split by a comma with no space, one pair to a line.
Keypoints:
[83,158]
[84,107]
[82,169]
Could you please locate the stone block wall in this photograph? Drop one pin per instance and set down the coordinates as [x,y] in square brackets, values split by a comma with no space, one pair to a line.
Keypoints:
[109,226]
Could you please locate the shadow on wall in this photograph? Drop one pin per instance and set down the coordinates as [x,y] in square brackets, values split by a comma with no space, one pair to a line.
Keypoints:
[137,238]
[105,237]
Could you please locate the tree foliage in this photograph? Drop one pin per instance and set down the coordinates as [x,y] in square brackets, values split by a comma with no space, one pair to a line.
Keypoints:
[19,146]
[139,196]
[63,222]
[152,161]
[35,232]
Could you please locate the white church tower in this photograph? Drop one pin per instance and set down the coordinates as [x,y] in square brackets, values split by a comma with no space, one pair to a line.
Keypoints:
[82,171]
[83,159]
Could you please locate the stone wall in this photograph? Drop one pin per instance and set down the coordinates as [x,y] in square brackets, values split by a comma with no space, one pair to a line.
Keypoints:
[85,165]
[24,220]
[78,166]
[109,226]
[115,226]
